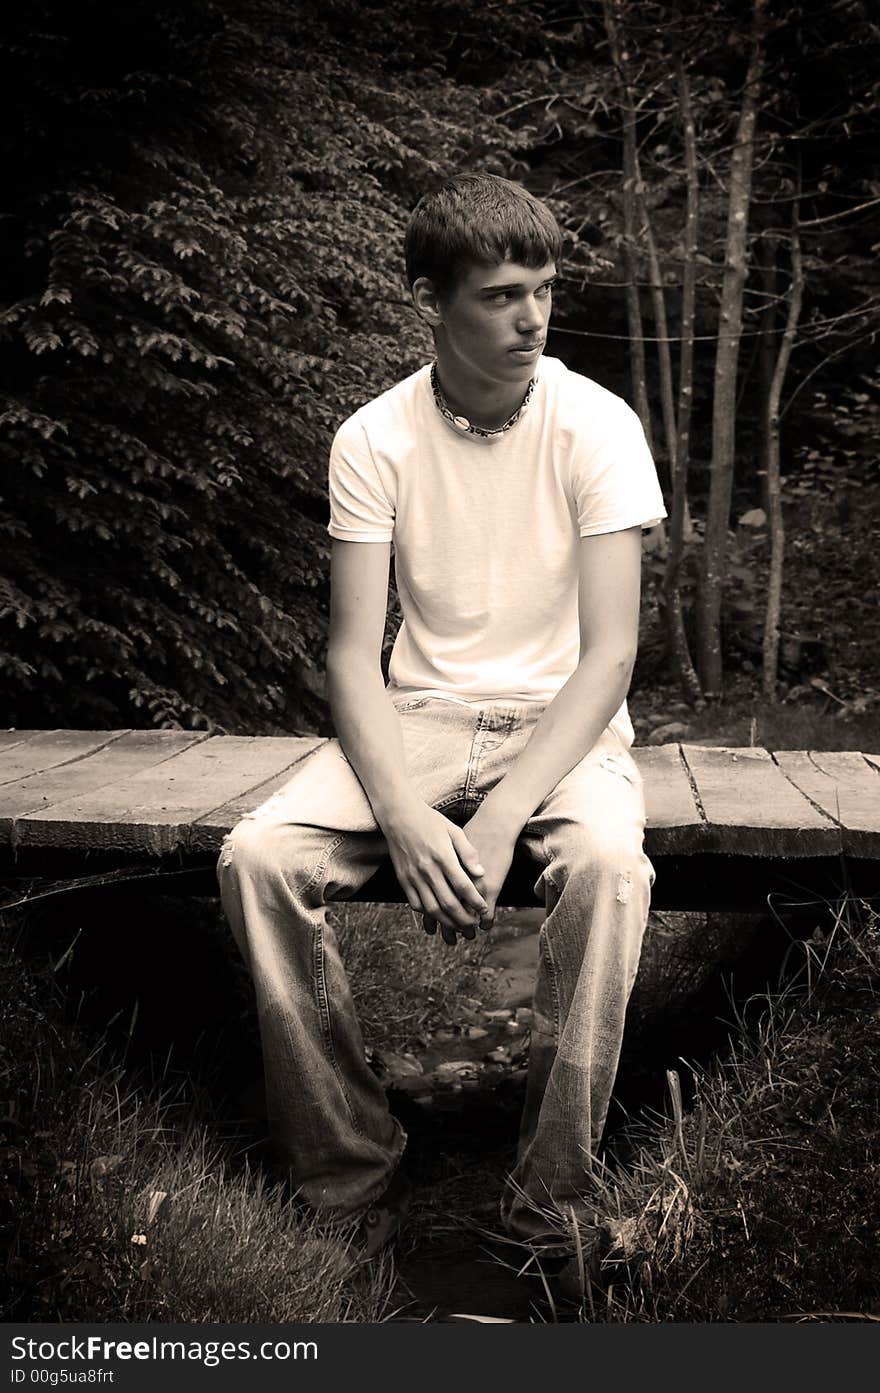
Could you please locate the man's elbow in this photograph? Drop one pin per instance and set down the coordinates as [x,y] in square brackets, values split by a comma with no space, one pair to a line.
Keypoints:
[615,656]
[622,664]
[347,664]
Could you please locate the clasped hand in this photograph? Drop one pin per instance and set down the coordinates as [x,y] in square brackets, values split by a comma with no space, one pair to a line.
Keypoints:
[451,875]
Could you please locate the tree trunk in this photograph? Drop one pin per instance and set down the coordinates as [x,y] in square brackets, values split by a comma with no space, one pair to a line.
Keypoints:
[726,361]
[635,327]
[679,650]
[658,300]
[766,353]
[774,488]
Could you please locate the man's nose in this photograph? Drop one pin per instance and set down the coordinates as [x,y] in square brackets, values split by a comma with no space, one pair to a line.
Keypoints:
[531,316]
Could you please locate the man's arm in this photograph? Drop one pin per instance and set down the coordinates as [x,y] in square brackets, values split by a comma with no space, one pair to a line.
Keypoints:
[608,608]
[433,859]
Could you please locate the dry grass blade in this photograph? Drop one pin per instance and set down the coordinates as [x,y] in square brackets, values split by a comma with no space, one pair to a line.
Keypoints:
[722,1205]
[829,1315]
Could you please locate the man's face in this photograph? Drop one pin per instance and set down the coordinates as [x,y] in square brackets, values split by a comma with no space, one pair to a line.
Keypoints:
[494,323]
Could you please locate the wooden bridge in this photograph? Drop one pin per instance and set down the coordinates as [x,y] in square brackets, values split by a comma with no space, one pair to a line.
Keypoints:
[726,827]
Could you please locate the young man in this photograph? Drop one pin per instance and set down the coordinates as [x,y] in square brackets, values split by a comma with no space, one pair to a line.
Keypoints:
[514,493]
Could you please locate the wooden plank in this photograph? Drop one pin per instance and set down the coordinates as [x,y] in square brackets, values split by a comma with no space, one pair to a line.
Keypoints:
[209,831]
[152,812]
[46,749]
[846,787]
[124,758]
[150,793]
[9,738]
[674,822]
[752,809]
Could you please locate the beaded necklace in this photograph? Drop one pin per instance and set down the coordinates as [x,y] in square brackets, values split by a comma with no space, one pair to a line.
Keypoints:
[462,424]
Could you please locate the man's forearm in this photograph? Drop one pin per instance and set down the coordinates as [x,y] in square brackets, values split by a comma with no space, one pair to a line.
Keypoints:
[369,731]
[567,730]
[436,865]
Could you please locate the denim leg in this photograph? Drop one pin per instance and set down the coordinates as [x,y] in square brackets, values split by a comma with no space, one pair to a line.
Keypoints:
[313,841]
[596,882]
[327,1110]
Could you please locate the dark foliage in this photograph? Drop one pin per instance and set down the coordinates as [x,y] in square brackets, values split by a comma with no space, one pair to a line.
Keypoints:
[201,280]
[201,276]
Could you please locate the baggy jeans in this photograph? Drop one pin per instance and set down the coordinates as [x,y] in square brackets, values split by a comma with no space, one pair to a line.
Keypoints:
[317,840]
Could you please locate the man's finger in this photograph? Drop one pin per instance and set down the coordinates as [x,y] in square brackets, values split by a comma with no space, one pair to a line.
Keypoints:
[448,934]
[429,924]
[465,891]
[466,851]
[460,904]
[434,907]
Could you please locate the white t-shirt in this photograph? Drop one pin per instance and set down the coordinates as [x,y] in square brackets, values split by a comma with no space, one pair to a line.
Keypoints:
[486,530]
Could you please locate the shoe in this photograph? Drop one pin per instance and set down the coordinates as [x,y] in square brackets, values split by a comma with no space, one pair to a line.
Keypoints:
[563,1274]
[382,1220]
[568,1284]
[350,1243]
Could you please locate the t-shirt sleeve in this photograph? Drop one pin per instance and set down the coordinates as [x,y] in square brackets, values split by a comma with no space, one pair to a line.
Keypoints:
[616,484]
[360,509]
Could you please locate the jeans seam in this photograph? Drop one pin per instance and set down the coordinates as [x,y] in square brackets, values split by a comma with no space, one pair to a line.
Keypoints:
[322,999]
[548,951]
[322,862]
[473,764]
[449,802]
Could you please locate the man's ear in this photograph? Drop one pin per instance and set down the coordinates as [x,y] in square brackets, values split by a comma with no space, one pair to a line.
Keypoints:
[426,302]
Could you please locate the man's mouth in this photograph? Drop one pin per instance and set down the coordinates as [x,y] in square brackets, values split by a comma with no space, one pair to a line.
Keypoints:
[526,349]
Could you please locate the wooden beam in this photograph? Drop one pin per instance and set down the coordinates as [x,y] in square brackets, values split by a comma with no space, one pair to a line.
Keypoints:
[127,797]
[133,752]
[752,809]
[674,822]
[10,738]
[152,812]
[49,749]
[208,832]
[846,786]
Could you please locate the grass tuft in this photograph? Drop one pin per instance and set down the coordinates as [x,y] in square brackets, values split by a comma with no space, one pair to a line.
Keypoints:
[760,1202]
[119,1206]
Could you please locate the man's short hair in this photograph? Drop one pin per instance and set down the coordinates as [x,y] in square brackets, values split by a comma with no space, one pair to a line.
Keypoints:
[477,218]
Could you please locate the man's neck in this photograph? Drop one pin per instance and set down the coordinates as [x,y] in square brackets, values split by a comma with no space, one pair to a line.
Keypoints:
[487,405]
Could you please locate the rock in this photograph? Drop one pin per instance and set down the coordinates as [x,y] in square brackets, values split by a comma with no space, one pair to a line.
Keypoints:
[400,1065]
[673,730]
[498,1016]
[454,1070]
[475,1032]
[471,1015]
